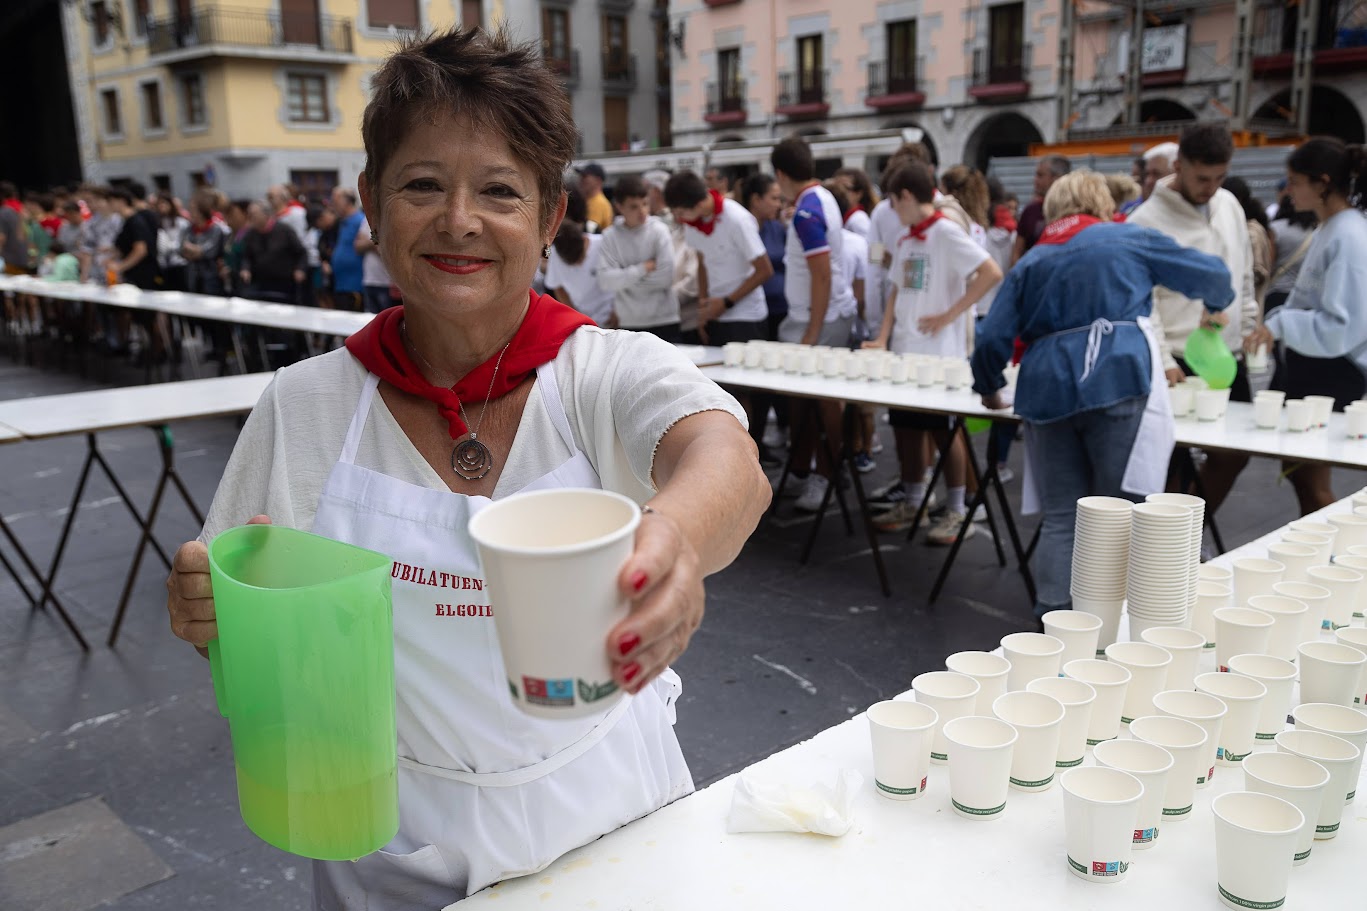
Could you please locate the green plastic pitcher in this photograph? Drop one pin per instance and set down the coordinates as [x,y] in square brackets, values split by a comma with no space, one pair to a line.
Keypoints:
[303,669]
[1208,355]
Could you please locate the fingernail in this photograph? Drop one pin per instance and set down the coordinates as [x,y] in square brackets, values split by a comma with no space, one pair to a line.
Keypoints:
[630,671]
[638,580]
[627,643]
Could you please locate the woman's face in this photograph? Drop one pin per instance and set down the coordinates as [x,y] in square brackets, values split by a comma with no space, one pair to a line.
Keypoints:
[1304,192]
[459,219]
[767,207]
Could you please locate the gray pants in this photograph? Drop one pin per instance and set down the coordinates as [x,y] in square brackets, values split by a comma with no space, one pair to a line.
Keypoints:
[835,333]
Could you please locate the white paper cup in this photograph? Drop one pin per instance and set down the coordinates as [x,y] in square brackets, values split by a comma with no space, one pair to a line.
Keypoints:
[1321,407]
[1276,394]
[1313,527]
[1340,721]
[1185,647]
[1243,698]
[772,359]
[876,251]
[733,354]
[1151,764]
[534,548]
[954,375]
[1109,610]
[951,696]
[925,373]
[1355,423]
[980,775]
[808,362]
[1196,383]
[1256,360]
[899,372]
[1037,719]
[1201,709]
[854,368]
[1212,572]
[1208,404]
[1100,808]
[1077,630]
[1358,563]
[1339,758]
[1255,839]
[988,669]
[1255,576]
[1076,698]
[1297,558]
[1345,587]
[1032,655]
[1297,415]
[1356,637]
[1110,681]
[1279,677]
[1183,399]
[754,356]
[1240,631]
[791,360]
[1295,779]
[1316,601]
[1211,595]
[1267,413]
[1148,667]
[832,364]
[1352,530]
[1330,672]
[1185,741]
[1288,622]
[901,733]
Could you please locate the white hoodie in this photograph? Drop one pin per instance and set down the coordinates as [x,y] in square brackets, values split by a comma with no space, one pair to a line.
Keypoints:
[642,300]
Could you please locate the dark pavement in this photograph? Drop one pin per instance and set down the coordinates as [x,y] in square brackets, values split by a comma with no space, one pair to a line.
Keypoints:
[127,743]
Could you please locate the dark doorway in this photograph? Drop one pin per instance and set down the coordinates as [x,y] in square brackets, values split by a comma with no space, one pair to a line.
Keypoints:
[1006,135]
[1331,114]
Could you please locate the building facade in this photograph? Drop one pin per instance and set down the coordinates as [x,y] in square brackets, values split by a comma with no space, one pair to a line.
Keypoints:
[180,93]
[991,79]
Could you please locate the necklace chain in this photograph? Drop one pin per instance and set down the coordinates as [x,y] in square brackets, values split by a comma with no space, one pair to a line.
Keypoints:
[474,431]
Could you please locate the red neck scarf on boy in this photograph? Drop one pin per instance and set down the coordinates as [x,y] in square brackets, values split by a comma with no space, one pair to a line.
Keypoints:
[920,231]
[850,214]
[706,227]
[380,349]
[1066,228]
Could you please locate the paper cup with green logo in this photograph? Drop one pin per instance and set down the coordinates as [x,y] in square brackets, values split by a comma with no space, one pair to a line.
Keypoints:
[1185,742]
[1148,667]
[901,732]
[550,560]
[1356,637]
[1037,719]
[1339,758]
[1076,698]
[1185,647]
[988,669]
[1296,780]
[1316,600]
[1100,812]
[1330,672]
[1110,681]
[1211,595]
[951,695]
[980,765]
[1255,838]
[1152,765]
[1032,655]
[1240,631]
[1201,709]
[1078,630]
[1243,698]
[1288,623]
[1338,721]
[1279,677]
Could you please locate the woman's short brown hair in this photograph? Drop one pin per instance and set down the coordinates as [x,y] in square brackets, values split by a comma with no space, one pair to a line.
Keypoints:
[490,79]
[1079,193]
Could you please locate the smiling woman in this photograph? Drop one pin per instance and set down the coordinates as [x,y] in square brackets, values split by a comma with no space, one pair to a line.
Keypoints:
[475,389]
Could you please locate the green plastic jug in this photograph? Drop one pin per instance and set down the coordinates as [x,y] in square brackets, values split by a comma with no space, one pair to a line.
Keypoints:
[1208,355]
[303,669]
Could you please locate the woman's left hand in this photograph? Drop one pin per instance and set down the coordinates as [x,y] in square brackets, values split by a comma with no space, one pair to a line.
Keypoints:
[663,578]
[1260,337]
[931,325]
[1215,319]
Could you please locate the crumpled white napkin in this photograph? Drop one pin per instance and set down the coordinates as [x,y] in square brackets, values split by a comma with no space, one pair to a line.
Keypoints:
[778,806]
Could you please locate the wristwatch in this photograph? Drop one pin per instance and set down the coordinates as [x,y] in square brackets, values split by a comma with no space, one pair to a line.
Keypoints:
[728,302]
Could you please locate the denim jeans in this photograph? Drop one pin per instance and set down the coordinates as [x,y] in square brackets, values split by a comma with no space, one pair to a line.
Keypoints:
[1080,456]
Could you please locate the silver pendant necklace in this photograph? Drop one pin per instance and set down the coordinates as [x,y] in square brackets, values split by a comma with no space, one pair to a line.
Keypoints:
[470,458]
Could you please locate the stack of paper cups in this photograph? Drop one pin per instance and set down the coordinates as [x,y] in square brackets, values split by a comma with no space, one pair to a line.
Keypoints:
[1198,519]
[1101,554]
[1160,577]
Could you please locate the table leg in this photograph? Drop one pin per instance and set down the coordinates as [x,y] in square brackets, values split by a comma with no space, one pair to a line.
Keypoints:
[979,480]
[799,427]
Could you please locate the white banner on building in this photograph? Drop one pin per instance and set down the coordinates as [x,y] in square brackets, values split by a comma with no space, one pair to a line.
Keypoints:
[1165,49]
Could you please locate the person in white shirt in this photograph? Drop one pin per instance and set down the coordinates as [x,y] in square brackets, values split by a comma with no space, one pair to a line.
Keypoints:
[685,258]
[572,272]
[941,274]
[637,266]
[857,189]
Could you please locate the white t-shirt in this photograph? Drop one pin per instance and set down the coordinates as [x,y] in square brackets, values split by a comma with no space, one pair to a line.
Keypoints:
[621,390]
[884,228]
[814,230]
[728,254]
[931,276]
[373,271]
[856,255]
[581,281]
[858,222]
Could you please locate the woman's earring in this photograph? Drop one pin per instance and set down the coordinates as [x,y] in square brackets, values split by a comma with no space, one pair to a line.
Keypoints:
[374,238]
[546,252]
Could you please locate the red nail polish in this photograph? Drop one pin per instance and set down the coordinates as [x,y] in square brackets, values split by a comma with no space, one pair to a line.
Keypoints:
[630,671]
[638,581]
[628,642]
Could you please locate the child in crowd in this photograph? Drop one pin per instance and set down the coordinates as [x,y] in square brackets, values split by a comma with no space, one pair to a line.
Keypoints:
[637,266]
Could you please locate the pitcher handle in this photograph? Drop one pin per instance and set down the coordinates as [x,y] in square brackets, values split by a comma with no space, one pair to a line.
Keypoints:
[216,671]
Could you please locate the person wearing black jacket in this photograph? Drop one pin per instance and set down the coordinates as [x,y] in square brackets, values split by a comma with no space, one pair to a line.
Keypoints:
[274,261]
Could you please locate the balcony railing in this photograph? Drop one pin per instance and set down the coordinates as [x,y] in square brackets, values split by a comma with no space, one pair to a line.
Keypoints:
[725,102]
[989,70]
[803,93]
[565,64]
[895,84]
[245,28]
[619,70]
[1340,36]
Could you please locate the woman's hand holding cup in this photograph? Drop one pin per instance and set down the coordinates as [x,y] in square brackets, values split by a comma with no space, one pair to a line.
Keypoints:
[189,595]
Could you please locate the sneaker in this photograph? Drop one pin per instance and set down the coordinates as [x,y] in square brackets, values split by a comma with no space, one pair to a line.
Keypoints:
[775,437]
[889,494]
[1005,474]
[812,494]
[946,531]
[877,446]
[863,463]
[939,512]
[897,517]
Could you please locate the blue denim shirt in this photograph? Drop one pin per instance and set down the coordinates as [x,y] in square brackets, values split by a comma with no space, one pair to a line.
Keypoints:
[775,237]
[1055,294]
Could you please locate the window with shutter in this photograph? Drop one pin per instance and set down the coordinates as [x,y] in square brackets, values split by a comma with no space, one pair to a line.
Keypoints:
[398,13]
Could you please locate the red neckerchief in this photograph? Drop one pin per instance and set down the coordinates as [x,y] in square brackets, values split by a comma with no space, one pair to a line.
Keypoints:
[1066,228]
[706,227]
[1002,218]
[295,204]
[1118,218]
[919,232]
[850,214]
[14,204]
[380,349]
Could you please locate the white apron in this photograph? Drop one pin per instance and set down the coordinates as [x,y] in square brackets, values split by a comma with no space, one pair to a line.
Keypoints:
[485,792]
[1146,471]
